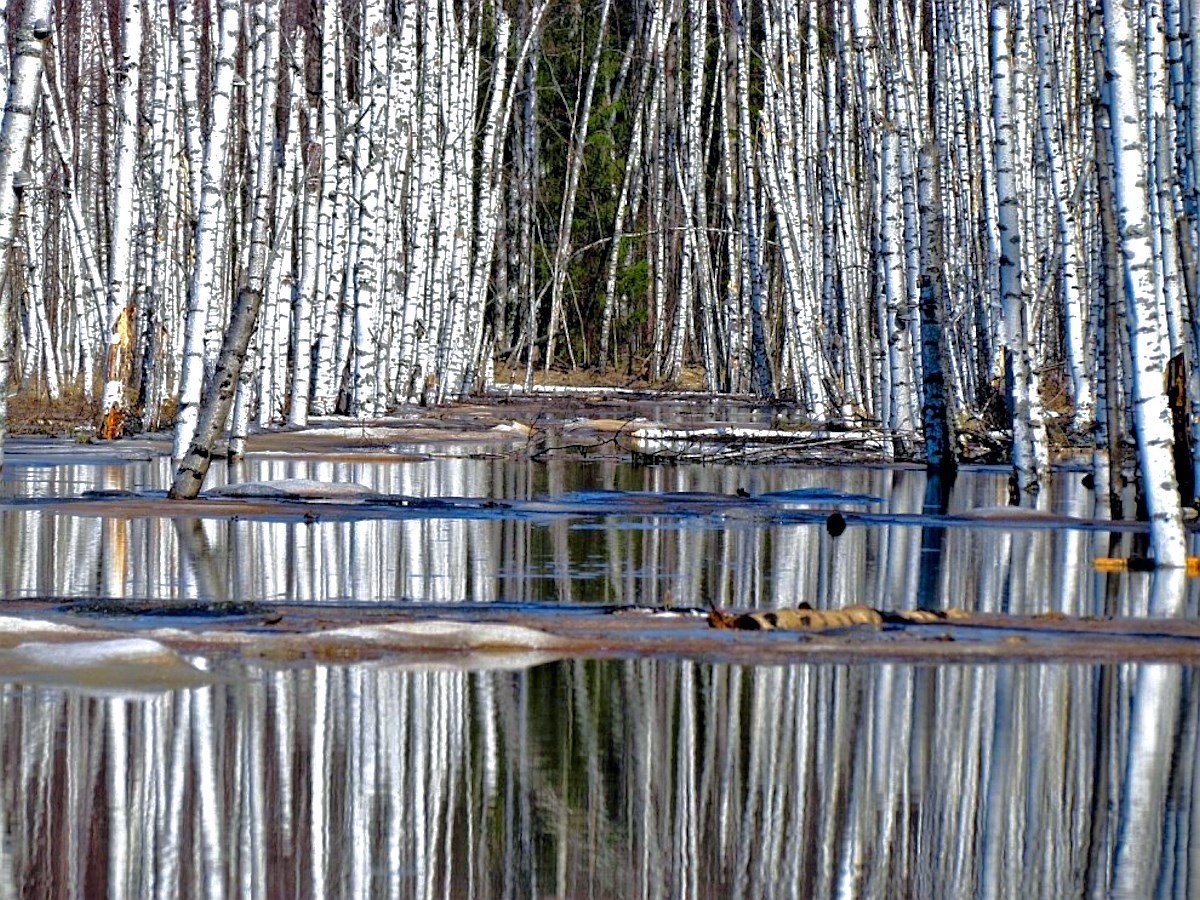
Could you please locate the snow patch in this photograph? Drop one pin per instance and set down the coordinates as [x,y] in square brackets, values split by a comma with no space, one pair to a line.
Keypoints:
[21,625]
[514,428]
[443,635]
[116,664]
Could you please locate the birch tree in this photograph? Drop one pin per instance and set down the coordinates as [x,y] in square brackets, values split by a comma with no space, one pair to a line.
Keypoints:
[1029,454]
[121,302]
[22,95]
[1143,305]
[204,282]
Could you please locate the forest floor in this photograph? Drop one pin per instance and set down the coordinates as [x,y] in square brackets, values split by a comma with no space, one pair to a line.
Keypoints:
[563,415]
[490,636]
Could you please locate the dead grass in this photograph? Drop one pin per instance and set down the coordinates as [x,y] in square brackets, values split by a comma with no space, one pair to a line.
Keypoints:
[71,413]
[691,379]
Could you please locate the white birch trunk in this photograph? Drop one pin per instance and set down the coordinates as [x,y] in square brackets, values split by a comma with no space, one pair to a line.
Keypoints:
[1147,329]
[369,396]
[1028,431]
[265,20]
[121,301]
[206,277]
[24,79]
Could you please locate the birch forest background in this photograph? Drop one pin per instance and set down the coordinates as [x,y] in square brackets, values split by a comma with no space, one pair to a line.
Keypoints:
[908,213]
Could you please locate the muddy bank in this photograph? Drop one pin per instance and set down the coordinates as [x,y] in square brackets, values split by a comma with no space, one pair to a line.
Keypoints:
[511,634]
[589,421]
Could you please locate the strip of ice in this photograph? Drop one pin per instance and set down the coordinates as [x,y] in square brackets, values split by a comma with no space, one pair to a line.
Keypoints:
[293,489]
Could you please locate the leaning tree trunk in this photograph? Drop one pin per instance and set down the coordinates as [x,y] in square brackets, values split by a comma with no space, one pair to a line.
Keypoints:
[1147,330]
[23,82]
[266,19]
[189,477]
[206,268]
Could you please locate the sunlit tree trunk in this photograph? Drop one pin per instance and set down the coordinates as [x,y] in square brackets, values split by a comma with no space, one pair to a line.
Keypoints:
[1074,320]
[1029,437]
[121,305]
[205,276]
[265,18]
[189,92]
[369,395]
[1147,328]
[194,465]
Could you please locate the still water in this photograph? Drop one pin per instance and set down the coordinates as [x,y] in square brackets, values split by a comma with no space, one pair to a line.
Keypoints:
[729,559]
[597,778]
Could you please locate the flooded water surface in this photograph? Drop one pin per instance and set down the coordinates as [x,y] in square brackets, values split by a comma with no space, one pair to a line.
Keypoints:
[653,776]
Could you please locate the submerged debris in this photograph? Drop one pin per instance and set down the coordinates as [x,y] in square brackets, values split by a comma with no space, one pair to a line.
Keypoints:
[805,618]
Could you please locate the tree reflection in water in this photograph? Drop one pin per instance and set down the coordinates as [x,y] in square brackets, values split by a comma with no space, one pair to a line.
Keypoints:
[641,778]
[731,559]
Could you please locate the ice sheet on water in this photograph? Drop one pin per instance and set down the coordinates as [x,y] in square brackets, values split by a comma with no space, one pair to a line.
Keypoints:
[819,495]
[293,489]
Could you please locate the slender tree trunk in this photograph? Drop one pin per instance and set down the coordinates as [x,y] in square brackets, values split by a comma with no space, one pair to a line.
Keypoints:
[206,277]
[24,80]
[749,224]
[193,467]
[562,247]
[121,300]
[266,28]
[1028,431]
[935,414]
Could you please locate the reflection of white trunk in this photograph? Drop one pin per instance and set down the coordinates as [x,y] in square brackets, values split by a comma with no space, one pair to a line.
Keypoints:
[1152,758]
[118,747]
[210,814]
